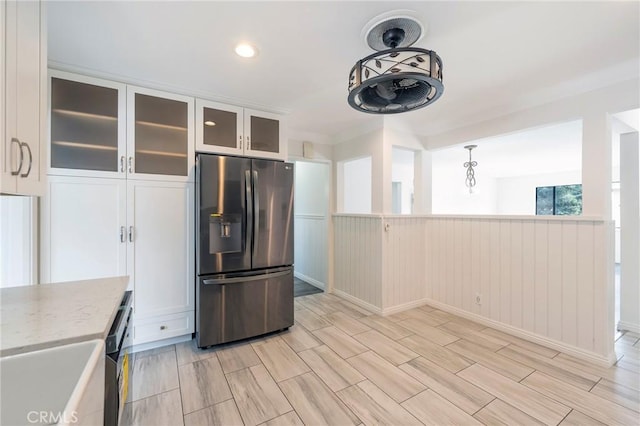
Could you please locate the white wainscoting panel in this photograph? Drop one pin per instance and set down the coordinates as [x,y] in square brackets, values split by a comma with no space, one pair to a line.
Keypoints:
[535,275]
[310,262]
[404,264]
[358,257]
[549,279]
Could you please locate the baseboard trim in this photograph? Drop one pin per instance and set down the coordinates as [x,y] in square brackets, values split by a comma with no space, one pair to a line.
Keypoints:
[605,361]
[404,307]
[310,280]
[627,326]
[159,343]
[365,305]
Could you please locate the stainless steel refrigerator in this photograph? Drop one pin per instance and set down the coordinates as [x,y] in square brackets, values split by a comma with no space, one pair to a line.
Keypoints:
[244,248]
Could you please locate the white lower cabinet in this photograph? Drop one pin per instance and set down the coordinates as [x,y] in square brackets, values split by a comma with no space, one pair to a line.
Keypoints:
[99,227]
[160,259]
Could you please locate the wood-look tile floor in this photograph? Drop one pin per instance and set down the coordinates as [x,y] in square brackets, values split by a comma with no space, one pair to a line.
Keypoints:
[340,365]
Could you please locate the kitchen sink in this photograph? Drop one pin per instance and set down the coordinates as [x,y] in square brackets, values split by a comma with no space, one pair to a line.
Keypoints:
[61,385]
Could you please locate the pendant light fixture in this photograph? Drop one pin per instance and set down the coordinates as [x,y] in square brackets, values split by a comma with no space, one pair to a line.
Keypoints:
[397,78]
[469,165]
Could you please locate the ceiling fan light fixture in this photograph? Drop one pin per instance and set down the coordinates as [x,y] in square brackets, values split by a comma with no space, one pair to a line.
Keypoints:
[398,78]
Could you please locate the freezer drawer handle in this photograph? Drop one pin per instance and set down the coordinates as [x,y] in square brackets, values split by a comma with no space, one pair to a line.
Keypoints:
[223,281]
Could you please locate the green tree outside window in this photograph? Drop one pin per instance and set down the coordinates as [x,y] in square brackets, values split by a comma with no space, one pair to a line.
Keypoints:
[559,200]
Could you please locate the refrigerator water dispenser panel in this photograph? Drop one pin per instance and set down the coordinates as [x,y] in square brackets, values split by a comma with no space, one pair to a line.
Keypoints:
[225,233]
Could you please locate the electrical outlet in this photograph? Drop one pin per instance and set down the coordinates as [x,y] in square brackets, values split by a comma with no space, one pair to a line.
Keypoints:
[478,299]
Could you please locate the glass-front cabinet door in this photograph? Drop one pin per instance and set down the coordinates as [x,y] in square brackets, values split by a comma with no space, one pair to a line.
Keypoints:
[228,129]
[160,135]
[219,128]
[87,126]
[264,135]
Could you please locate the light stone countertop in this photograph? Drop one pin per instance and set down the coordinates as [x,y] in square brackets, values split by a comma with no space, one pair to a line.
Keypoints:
[47,315]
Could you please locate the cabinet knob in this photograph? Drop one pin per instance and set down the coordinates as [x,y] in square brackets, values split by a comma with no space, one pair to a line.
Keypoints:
[122,161]
[163,327]
[130,164]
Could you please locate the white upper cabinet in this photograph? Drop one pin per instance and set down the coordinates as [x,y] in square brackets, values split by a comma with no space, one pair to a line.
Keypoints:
[159,135]
[227,129]
[23,58]
[102,128]
[264,135]
[88,126]
[219,128]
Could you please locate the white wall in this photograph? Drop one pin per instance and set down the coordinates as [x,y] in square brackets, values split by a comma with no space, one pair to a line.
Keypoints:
[404,162]
[451,196]
[517,195]
[321,151]
[362,146]
[402,171]
[379,144]
[312,182]
[311,188]
[17,241]
[356,180]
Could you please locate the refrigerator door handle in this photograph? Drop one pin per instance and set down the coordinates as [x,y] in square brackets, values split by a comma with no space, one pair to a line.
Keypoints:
[256,214]
[248,202]
[223,281]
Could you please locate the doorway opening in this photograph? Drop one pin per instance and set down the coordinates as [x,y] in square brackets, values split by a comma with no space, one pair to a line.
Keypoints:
[311,223]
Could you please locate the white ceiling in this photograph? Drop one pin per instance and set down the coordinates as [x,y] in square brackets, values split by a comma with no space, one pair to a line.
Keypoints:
[498,56]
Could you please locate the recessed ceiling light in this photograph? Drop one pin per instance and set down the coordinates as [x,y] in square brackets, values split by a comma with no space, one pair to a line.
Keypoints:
[246,50]
[209,123]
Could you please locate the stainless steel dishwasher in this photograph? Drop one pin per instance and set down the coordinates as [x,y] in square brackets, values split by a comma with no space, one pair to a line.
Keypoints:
[116,372]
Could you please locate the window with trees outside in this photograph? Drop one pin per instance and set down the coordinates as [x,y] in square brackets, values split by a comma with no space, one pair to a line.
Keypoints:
[559,200]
